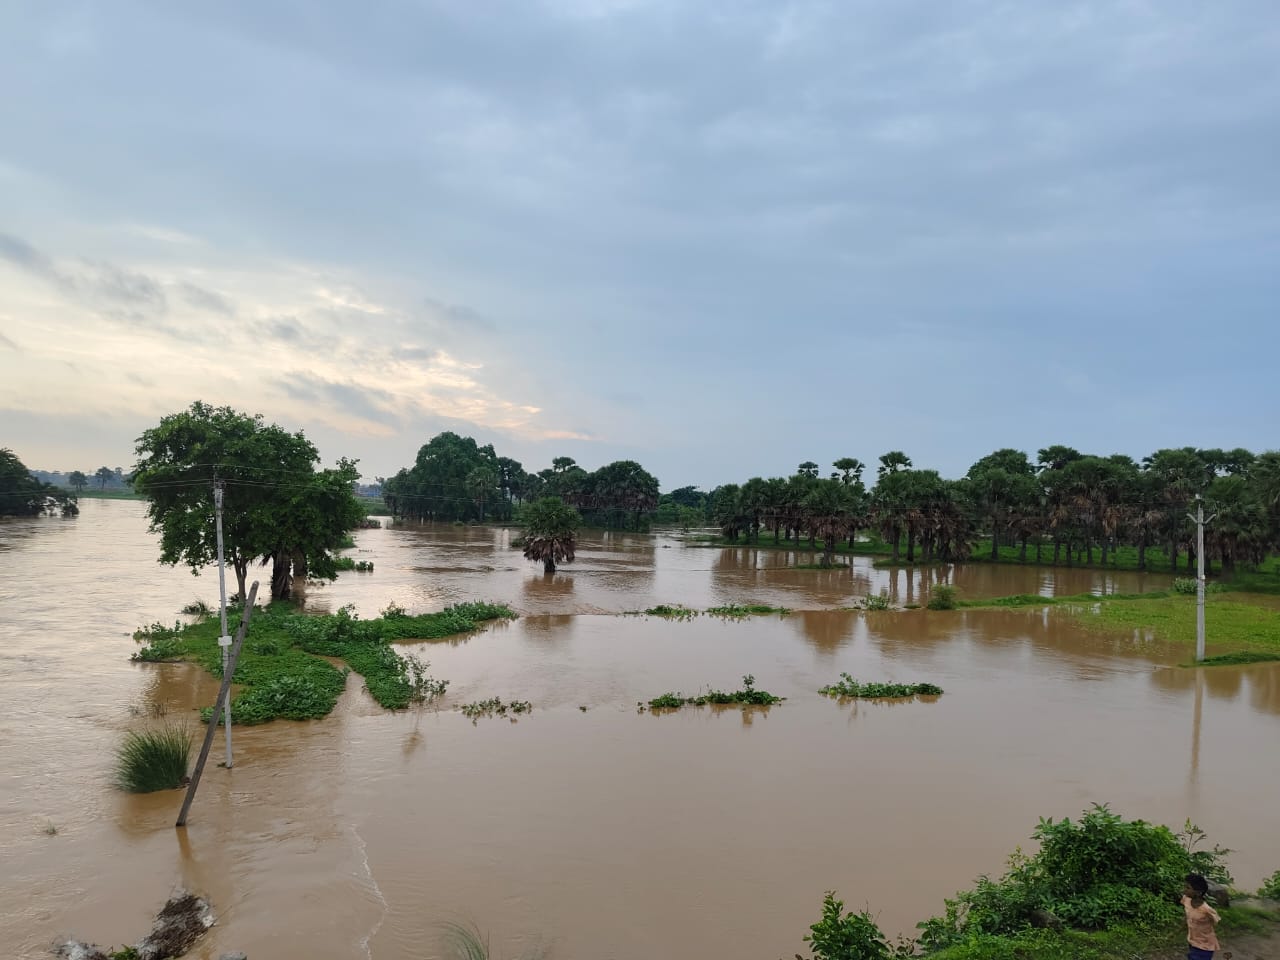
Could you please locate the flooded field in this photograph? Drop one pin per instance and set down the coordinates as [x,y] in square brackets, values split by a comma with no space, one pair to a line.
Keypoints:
[602,832]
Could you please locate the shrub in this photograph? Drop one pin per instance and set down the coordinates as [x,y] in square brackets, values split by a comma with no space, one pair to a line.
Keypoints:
[747,696]
[942,597]
[153,760]
[1093,874]
[851,936]
[1185,585]
[1271,887]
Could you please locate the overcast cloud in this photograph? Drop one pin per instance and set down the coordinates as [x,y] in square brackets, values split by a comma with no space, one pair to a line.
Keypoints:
[719,238]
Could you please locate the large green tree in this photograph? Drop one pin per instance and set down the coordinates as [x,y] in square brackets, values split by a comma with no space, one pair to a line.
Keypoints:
[277,507]
[78,481]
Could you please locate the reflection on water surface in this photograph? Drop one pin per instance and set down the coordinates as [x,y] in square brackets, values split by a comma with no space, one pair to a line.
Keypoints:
[605,832]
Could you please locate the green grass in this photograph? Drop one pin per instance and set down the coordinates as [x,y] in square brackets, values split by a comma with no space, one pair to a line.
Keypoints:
[1075,599]
[282,670]
[850,688]
[153,760]
[1236,659]
[738,611]
[1228,621]
[872,547]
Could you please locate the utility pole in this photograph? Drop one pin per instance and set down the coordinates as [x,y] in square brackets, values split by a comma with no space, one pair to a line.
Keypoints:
[1200,521]
[224,641]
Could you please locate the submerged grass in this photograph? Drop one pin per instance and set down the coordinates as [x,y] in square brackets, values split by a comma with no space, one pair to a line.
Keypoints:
[153,760]
[282,669]
[738,611]
[672,611]
[1239,658]
[1229,621]
[848,687]
[494,707]
[747,696]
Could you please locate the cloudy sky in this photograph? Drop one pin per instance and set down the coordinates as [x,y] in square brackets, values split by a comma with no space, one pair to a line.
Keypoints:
[716,237]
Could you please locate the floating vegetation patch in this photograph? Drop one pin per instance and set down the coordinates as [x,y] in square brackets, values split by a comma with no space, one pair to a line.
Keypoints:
[494,707]
[853,689]
[674,611]
[748,696]
[198,608]
[738,611]
[873,601]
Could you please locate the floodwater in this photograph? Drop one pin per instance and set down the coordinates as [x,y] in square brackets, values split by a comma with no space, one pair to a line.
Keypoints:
[605,832]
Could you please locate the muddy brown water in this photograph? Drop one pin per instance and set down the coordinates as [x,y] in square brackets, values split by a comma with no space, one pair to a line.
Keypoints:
[604,832]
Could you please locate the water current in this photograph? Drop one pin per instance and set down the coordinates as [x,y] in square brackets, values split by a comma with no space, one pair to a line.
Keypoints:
[596,832]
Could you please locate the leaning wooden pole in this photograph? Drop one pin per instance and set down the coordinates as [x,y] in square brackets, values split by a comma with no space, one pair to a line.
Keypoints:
[224,692]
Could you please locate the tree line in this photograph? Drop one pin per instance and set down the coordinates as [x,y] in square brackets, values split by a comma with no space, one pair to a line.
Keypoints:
[1067,501]
[22,494]
[454,478]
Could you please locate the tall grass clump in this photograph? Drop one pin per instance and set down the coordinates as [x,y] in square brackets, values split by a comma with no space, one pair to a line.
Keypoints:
[153,760]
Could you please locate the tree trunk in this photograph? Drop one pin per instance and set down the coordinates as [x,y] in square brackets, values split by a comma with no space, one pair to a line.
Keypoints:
[895,537]
[1173,557]
[548,564]
[995,537]
[1105,542]
[1191,561]
[1142,554]
[1039,548]
[281,577]
[241,567]
[1022,554]
[911,543]
[1057,549]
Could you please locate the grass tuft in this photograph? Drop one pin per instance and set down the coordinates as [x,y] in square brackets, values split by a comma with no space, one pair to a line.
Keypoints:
[153,760]
[738,611]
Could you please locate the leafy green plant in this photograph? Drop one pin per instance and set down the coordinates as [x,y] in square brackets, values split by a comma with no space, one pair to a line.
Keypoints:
[1271,887]
[847,936]
[849,687]
[747,696]
[153,760]
[124,953]
[877,601]
[942,597]
[1101,872]
[1187,586]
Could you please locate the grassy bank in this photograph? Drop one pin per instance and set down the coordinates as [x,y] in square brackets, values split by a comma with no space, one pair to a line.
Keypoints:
[282,669]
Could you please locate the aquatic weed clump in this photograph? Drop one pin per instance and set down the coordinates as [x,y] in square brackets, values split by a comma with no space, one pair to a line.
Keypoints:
[748,696]
[740,611]
[494,707]
[153,760]
[848,687]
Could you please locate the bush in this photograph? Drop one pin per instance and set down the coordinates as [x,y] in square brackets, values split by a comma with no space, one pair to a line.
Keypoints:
[1271,887]
[853,936]
[1098,873]
[153,760]
[849,687]
[942,597]
[877,601]
[1185,585]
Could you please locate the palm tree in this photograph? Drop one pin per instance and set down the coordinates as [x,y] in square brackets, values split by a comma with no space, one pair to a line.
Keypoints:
[480,483]
[550,532]
[829,507]
[102,475]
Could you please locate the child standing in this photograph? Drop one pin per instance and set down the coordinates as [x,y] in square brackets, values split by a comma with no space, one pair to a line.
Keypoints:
[1201,919]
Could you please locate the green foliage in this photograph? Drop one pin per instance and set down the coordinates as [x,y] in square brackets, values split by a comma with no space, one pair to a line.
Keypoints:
[877,601]
[672,611]
[738,611]
[942,597]
[494,707]
[1188,586]
[22,495]
[278,507]
[1271,887]
[153,760]
[281,670]
[1098,873]
[849,687]
[351,563]
[125,953]
[848,936]
[550,532]
[747,696]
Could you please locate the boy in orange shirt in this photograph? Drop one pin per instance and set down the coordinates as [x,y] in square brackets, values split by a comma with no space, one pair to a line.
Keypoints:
[1202,941]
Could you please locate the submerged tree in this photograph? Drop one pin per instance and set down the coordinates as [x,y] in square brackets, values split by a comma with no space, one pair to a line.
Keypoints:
[550,532]
[22,495]
[276,509]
